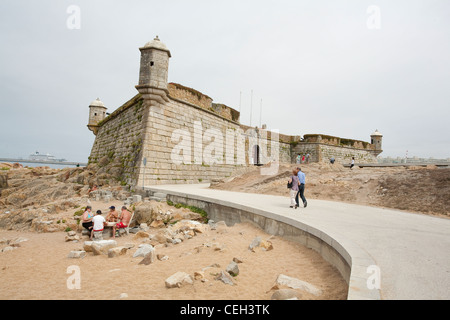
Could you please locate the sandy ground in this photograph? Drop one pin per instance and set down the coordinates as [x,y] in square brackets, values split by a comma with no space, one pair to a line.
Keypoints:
[38,269]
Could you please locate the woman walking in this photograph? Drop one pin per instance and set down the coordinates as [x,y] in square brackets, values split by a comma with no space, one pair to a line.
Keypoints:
[294,188]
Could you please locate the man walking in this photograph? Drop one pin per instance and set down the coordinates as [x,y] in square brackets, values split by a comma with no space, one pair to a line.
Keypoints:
[301,188]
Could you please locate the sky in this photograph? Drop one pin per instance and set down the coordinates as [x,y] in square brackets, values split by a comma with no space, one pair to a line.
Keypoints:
[340,68]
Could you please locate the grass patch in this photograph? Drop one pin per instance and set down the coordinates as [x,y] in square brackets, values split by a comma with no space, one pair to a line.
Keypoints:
[198,210]
[79,212]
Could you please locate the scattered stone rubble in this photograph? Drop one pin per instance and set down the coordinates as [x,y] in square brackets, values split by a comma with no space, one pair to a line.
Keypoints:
[11,244]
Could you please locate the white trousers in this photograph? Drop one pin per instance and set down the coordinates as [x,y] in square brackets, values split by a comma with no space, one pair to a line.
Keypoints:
[293,194]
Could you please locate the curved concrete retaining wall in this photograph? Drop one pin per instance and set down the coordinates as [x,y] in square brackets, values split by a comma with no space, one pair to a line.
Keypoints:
[350,260]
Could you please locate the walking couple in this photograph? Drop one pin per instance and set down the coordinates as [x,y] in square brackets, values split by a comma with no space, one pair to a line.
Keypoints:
[297,180]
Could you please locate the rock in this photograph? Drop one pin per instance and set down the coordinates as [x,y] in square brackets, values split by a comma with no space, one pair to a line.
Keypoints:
[180,236]
[117,251]
[143,250]
[8,248]
[162,237]
[96,250]
[77,254]
[298,284]
[15,242]
[225,277]
[141,234]
[285,294]
[72,236]
[217,246]
[144,227]
[232,269]
[255,243]
[162,257]
[123,296]
[186,225]
[237,260]
[267,245]
[149,258]
[146,212]
[157,224]
[199,275]
[178,280]
[201,228]
[102,245]
[17,165]
[136,198]
[135,230]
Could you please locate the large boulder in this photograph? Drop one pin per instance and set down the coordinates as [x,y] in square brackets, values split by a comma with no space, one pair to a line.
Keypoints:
[233,269]
[255,243]
[147,212]
[143,250]
[117,251]
[99,247]
[178,279]
[294,283]
[225,277]
[158,214]
[76,254]
[149,258]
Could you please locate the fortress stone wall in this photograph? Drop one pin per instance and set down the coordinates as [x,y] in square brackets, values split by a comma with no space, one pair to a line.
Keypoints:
[322,148]
[169,133]
[118,144]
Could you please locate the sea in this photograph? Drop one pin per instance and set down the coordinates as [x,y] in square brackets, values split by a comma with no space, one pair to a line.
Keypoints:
[53,166]
[50,165]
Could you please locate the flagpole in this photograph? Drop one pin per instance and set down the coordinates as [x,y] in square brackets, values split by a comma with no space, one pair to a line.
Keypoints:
[260,112]
[251,107]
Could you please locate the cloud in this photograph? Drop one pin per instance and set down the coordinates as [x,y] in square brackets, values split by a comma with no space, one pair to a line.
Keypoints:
[316,67]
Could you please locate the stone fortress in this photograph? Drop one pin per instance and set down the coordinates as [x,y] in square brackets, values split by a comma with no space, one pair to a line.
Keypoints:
[169,134]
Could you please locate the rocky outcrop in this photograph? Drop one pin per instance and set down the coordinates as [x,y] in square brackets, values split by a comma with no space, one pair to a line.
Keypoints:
[3,181]
[30,197]
[157,214]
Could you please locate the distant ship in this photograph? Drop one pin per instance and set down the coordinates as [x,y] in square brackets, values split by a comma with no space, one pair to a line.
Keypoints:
[44,157]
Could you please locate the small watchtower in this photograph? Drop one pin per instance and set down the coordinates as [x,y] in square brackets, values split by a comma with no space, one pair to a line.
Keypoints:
[154,69]
[97,112]
[376,140]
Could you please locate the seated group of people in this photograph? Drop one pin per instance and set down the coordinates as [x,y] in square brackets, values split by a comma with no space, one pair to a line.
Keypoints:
[96,223]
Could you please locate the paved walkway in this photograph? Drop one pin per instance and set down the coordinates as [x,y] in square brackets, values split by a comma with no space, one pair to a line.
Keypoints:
[411,250]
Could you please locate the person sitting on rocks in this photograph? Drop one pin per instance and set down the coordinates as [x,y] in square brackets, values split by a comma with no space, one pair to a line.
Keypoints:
[86,220]
[124,220]
[99,224]
[113,215]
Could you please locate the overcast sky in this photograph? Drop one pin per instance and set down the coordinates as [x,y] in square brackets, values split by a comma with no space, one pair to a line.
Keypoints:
[341,68]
